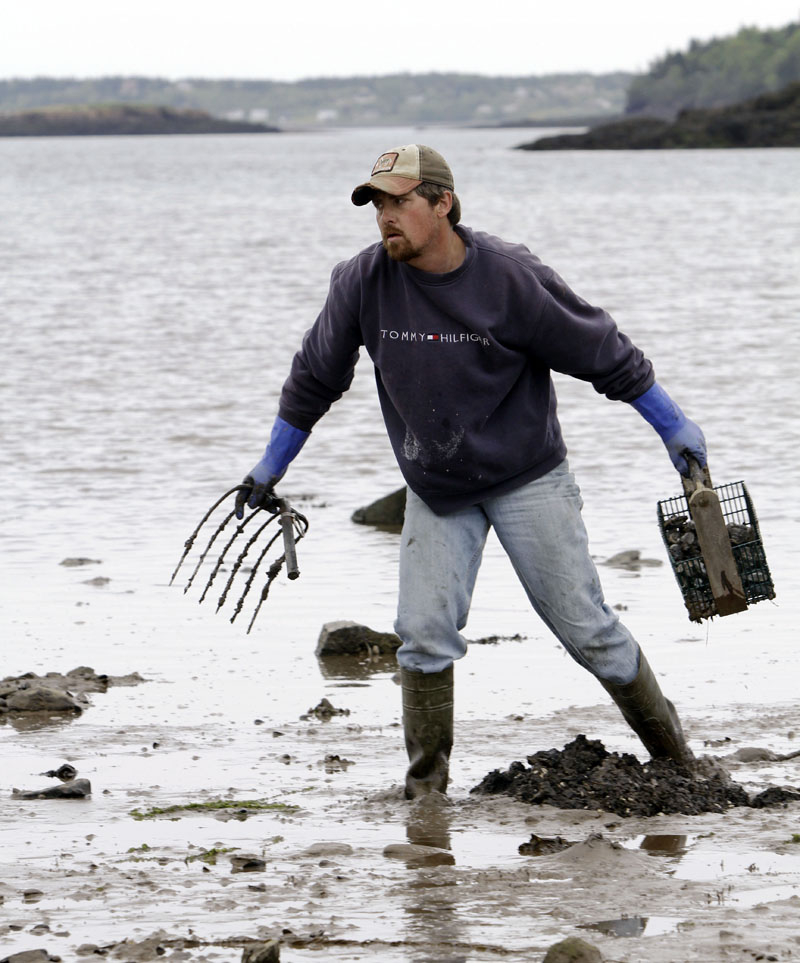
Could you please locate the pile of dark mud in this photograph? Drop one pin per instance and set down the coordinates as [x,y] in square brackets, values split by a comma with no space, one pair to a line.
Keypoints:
[584,775]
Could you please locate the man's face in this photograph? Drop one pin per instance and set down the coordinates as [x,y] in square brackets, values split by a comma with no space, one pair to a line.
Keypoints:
[408,223]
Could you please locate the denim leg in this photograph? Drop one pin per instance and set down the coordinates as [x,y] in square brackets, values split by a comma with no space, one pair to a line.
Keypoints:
[541,529]
[439,560]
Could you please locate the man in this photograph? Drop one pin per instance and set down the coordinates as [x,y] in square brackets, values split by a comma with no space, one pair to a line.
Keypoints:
[464,330]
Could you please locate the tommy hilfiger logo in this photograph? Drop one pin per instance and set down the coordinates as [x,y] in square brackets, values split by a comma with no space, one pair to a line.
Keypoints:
[387,334]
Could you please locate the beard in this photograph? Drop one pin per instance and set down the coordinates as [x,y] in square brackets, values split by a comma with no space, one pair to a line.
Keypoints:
[401,250]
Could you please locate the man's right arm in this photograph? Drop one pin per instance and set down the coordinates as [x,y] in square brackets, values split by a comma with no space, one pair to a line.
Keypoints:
[322,370]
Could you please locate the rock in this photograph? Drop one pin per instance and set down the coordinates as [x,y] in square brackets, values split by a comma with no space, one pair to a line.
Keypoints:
[55,692]
[416,855]
[328,849]
[262,953]
[631,560]
[79,562]
[42,699]
[350,638]
[387,512]
[29,956]
[770,120]
[754,754]
[573,950]
[543,846]
[325,710]
[65,773]
[152,948]
[248,864]
[75,789]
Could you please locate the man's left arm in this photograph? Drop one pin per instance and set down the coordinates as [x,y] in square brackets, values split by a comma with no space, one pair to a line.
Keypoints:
[584,341]
[679,433]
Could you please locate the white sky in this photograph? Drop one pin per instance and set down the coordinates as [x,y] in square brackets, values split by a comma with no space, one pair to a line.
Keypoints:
[284,40]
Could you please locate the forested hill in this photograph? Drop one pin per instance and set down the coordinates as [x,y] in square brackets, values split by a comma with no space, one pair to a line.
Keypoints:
[399,99]
[717,73]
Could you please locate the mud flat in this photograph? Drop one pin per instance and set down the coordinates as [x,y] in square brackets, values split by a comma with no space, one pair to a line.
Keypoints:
[202,840]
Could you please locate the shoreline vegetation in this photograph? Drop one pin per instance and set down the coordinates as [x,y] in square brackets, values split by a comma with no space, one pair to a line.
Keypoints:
[742,90]
[770,120]
[105,119]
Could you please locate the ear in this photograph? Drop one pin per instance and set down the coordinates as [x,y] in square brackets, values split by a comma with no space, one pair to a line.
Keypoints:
[444,204]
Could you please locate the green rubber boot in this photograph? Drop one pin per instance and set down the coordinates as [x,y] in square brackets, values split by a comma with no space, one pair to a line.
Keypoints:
[428,729]
[651,716]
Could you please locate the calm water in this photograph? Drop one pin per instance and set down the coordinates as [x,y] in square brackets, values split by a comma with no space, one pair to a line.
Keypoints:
[154,291]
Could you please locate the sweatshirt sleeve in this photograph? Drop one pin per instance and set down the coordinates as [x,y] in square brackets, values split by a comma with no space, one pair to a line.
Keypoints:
[578,339]
[322,370]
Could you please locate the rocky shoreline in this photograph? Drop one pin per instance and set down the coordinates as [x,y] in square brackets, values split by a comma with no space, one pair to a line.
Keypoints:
[771,120]
[104,119]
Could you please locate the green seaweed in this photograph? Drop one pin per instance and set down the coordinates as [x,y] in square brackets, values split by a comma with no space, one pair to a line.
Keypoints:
[258,805]
[209,856]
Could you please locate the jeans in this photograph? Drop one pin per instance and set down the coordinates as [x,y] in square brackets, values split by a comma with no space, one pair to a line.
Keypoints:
[541,530]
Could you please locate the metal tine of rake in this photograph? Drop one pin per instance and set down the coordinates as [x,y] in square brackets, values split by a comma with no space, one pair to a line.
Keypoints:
[251,577]
[293,531]
[240,560]
[237,532]
[299,524]
[187,545]
[272,574]
[220,529]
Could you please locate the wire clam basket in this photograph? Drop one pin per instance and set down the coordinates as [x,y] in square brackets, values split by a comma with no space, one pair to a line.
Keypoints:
[686,558]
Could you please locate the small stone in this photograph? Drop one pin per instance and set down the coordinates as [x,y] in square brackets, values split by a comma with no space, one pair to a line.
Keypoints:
[573,950]
[387,512]
[28,956]
[351,638]
[248,864]
[75,789]
[262,952]
[65,773]
[416,855]
[328,849]
[42,699]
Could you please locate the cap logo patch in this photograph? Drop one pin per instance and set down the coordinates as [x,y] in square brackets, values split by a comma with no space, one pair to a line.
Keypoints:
[385,163]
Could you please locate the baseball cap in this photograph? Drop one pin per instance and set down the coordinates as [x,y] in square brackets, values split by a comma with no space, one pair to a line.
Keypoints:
[401,169]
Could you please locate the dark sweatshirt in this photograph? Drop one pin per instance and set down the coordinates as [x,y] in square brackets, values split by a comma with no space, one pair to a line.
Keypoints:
[462,364]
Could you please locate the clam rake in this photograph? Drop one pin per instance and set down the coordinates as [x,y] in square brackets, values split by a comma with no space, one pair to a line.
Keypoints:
[291,527]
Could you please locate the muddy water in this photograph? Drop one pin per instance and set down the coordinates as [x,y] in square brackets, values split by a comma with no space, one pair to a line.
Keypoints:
[153,294]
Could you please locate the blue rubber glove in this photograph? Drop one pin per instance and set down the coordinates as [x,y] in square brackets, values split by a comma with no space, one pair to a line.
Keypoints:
[284,443]
[678,432]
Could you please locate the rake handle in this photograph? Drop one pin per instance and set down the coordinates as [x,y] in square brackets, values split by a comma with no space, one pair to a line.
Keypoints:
[287,527]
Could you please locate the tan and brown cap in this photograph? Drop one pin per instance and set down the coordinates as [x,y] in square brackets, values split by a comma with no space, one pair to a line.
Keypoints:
[401,169]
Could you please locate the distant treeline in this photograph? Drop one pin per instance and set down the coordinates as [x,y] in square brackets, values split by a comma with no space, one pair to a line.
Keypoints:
[99,119]
[712,74]
[399,99]
[717,73]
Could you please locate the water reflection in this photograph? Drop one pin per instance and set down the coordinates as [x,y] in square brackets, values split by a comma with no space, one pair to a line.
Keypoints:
[627,926]
[356,668]
[428,822]
[38,721]
[636,926]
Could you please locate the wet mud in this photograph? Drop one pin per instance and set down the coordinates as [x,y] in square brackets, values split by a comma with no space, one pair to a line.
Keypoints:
[585,775]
